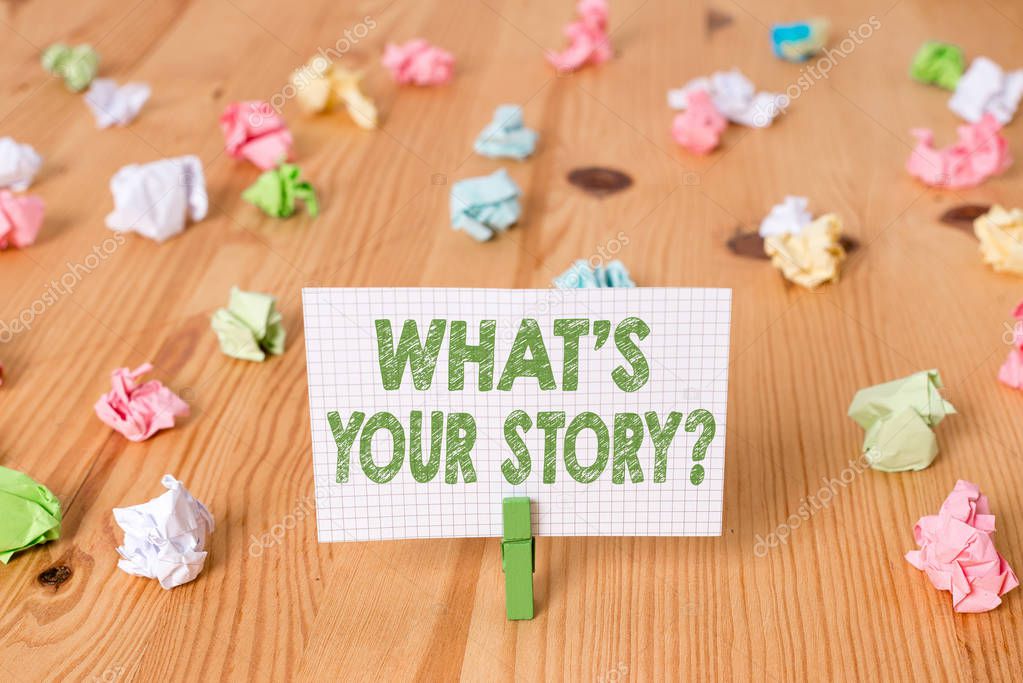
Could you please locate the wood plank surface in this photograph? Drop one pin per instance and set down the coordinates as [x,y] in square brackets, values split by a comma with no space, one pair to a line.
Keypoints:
[835,601]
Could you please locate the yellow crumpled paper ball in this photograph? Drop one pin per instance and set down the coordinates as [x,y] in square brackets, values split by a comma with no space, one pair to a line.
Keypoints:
[322,86]
[1001,239]
[811,256]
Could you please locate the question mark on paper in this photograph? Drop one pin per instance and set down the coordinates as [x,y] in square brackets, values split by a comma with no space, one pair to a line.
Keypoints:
[697,418]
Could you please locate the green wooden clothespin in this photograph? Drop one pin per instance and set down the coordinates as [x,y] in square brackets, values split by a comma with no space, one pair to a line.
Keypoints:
[518,558]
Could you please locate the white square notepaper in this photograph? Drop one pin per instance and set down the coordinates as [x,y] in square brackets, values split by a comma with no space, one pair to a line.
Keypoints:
[685,350]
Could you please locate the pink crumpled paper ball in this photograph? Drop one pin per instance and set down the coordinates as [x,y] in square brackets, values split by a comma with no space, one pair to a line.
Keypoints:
[254,131]
[1011,372]
[699,127]
[958,553]
[21,216]
[138,410]
[419,63]
[587,37]
[980,153]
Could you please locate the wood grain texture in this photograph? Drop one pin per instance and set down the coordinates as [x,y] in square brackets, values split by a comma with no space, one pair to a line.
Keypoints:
[836,601]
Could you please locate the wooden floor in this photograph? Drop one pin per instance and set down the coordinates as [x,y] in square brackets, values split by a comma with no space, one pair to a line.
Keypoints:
[836,600]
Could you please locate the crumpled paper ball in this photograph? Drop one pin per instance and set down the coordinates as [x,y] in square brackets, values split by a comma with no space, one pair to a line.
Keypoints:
[957,553]
[278,190]
[699,127]
[986,89]
[790,216]
[582,275]
[1001,239]
[812,255]
[484,206]
[899,417]
[250,327]
[800,40]
[587,38]
[21,216]
[29,513]
[419,63]
[1011,372]
[116,105]
[506,136]
[322,86]
[138,410]
[77,65]
[254,131]
[155,199]
[19,164]
[980,153]
[939,64]
[165,538]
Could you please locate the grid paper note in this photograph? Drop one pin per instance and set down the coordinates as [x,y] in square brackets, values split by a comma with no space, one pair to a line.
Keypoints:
[687,350]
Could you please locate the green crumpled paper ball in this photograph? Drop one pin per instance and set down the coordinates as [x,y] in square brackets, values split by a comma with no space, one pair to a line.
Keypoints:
[939,64]
[276,192]
[250,327]
[899,417]
[29,513]
[77,65]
